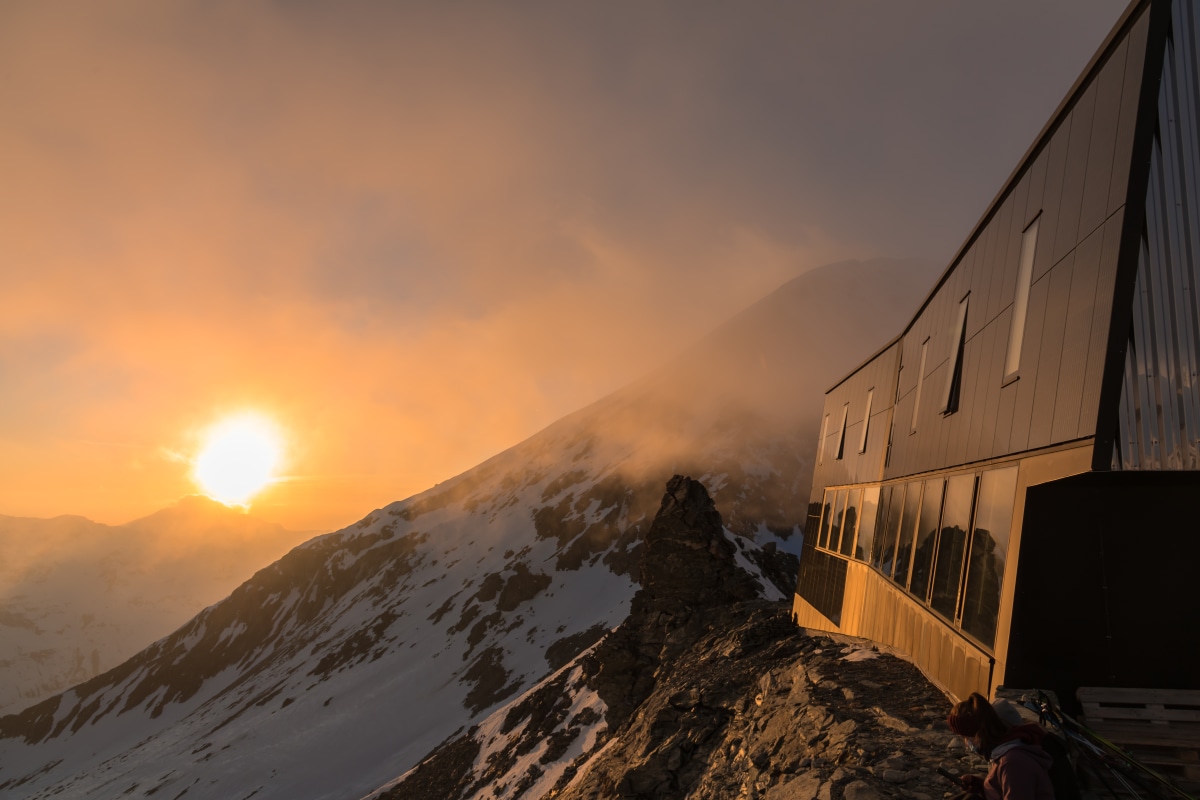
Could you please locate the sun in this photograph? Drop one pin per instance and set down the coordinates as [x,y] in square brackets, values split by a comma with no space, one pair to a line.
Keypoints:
[238,459]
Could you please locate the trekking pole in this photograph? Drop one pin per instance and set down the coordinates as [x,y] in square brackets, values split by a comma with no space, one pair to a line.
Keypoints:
[1108,751]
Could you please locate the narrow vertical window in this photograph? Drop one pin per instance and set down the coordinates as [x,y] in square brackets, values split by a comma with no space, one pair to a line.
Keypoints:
[958,343]
[1016,334]
[920,380]
[841,448]
[821,441]
[862,445]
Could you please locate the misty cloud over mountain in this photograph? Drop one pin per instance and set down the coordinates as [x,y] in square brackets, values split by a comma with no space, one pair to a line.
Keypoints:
[339,667]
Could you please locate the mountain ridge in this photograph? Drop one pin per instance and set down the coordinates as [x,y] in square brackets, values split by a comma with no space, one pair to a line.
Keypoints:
[437,609]
[80,596]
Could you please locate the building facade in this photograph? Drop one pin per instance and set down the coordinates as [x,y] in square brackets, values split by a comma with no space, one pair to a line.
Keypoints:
[1007,490]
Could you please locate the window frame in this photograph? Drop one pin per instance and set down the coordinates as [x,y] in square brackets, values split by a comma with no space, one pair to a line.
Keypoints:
[862,445]
[1020,304]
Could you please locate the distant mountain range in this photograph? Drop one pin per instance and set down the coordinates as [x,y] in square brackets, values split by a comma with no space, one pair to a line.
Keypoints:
[338,668]
[77,597]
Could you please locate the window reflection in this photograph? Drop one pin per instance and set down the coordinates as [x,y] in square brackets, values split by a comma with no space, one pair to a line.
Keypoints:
[904,539]
[826,520]
[839,515]
[952,544]
[884,545]
[866,524]
[926,541]
[989,552]
[853,508]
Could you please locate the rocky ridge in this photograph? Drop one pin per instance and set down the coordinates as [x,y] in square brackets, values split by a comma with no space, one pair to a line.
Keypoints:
[706,692]
[341,665]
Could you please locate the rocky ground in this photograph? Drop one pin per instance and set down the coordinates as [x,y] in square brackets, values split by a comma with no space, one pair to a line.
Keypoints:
[760,710]
[705,692]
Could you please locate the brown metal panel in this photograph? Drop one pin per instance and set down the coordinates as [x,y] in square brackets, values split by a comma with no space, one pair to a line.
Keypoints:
[968,417]
[1006,278]
[987,385]
[1027,380]
[1035,200]
[980,279]
[1056,170]
[1104,138]
[991,374]
[929,430]
[1101,314]
[1078,149]
[1081,303]
[901,441]
[1051,355]
[1004,419]
[1123,149]
[912,353]
[992,279]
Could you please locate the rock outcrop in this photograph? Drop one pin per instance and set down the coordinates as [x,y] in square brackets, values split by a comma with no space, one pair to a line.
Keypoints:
[688,578]
[706,693]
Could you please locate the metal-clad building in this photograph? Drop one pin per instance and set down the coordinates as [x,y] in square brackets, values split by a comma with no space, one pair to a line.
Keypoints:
[1006,490]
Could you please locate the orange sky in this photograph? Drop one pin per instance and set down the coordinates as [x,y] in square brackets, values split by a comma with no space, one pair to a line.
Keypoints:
[415,233]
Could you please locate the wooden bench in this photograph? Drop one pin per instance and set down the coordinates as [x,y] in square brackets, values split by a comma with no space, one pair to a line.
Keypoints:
[1158,727]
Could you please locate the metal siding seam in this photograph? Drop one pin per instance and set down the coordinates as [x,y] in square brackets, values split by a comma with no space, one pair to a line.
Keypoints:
[1104,141]
[1030,357]
[1036,200]
[1075,174]
[999,267]
[984,272]
[1101,315]
[1138,40]
[1056,170]
[987,395]
[976,356]
[1080,307]
[1050,358]
[996,299]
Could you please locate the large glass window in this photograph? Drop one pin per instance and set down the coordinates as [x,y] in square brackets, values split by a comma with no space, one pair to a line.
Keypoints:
[850,528]
[826,519]
[884,551]
[908,530]
[839,518]
[1016,333]
[926,541]
[841,446]
[989,553]
[952,544]
[864,548]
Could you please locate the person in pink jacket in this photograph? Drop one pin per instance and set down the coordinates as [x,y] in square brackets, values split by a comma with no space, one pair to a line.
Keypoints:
[1020,768]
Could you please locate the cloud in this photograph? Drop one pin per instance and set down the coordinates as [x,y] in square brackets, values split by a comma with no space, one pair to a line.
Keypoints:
[419,232]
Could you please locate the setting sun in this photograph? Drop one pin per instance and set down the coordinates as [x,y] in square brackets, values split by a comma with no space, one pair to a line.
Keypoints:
[238,459]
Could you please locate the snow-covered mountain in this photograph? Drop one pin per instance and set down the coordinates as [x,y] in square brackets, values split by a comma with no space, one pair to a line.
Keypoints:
[704,692]
[339,667]
[77,597]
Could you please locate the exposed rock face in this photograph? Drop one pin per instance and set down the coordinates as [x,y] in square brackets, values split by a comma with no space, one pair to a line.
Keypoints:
[687,572]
